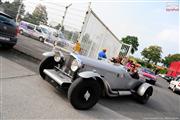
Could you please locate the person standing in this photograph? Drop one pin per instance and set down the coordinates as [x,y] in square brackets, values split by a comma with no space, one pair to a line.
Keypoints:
[77,47]
[102,54]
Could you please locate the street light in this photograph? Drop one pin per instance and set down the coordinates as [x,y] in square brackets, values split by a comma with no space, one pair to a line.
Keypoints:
[19,10]
[62,22]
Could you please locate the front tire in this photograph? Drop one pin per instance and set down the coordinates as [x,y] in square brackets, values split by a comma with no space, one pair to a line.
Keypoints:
[47,63]
[84,93]
[174,89]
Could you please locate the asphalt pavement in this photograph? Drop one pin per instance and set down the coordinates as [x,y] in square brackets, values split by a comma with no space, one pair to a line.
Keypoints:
[24,95]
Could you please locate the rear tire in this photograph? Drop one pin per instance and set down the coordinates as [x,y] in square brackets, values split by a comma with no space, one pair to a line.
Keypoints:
[47,63]
[7,47]
[84,93]
[21,32]
[143,99]
[41,39]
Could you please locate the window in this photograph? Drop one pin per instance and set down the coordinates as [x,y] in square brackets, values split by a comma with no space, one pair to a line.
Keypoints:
[31,27]
[7,21]
[44,30]
[178,79]
[61,35]
[148,71]
[38,29]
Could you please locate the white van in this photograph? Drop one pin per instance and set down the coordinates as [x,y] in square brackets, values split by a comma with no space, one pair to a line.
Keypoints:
[40,33]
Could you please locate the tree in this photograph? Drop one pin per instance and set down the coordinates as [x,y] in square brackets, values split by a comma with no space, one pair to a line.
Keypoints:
[12,8]
[39,15]
[28,17]
[170,58]
[152,53]
[131,40]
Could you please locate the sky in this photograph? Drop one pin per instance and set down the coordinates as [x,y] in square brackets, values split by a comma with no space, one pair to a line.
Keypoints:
[147,20]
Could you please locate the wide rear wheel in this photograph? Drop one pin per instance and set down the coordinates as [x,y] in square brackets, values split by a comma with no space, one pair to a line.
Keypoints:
[143,99]
[84,93]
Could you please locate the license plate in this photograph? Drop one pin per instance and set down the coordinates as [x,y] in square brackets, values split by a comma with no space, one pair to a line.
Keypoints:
[4,38]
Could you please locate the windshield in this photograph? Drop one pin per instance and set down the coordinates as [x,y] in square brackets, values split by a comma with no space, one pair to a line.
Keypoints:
[6,20]
[44,30]
[61,35]
[148,71]
[31,27]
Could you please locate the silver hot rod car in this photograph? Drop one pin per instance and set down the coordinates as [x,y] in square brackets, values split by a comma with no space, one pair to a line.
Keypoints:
[88,79]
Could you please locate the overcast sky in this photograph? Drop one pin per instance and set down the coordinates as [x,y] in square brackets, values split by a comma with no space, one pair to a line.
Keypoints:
[148,20]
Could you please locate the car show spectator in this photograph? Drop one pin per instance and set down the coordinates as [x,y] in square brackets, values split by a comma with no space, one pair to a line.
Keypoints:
[77,47]
[128,65]
[117,59]
[102,54]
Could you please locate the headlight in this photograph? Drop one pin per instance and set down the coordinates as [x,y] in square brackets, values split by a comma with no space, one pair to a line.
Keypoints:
[74,65]
[57,57]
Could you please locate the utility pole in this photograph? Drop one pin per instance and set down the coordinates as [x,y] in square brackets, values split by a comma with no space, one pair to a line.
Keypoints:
[65,12]
[86,18]
[19,9]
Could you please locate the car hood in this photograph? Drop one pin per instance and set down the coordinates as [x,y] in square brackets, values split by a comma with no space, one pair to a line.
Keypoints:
[100,64]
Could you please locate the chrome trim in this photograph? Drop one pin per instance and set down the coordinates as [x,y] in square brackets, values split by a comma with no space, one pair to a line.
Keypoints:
[142,89]
[63,72]
[54,75]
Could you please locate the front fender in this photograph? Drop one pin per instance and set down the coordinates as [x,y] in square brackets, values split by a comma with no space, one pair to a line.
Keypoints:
[143,88]
[48,54]
[89,74]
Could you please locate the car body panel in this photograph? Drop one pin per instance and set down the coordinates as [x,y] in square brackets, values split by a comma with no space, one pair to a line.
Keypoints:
[115,78]
[8,30]
[175,83]
[147,75]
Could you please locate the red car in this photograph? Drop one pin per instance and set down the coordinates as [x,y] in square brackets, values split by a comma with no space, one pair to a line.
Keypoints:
[147,75]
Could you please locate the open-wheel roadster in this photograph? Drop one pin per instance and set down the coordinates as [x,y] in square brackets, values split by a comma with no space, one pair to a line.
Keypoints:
[87,79]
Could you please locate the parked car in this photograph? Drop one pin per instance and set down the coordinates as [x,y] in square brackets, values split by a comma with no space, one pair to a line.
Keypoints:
[58,38]
[37,32]
[40,33]
[8,31]
[26,28]
[87,79]
[147,75]
[175,84]
[162,75]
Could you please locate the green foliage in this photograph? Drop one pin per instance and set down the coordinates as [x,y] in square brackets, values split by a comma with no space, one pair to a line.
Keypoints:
[70,35]
[38,16]
[131,40]
[152,54]
[163,71]
[170,58]
[148,65]
[12,8]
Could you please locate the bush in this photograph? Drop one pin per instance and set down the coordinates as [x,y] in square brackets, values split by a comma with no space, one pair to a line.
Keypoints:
[162,71]
[148,65]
